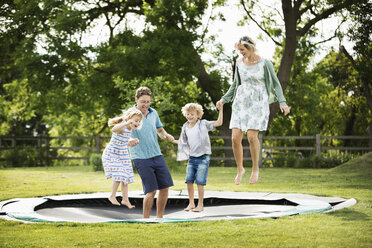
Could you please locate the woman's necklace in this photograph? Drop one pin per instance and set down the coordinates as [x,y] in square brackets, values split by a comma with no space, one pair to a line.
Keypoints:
[252,62]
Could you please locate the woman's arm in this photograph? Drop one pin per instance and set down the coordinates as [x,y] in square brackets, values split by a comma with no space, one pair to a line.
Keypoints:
[229,96]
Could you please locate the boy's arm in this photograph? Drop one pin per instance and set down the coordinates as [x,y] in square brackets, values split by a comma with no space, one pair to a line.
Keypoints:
[219,121]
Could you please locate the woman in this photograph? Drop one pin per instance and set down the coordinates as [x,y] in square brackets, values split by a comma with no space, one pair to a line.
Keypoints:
[255,86]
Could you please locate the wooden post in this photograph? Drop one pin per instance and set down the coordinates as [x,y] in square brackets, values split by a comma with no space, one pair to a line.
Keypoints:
[318,148]
[260,138]
[47,149]
[98,144]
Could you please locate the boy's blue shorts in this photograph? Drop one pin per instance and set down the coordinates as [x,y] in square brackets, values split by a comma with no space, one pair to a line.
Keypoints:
[154,173]
[197,169]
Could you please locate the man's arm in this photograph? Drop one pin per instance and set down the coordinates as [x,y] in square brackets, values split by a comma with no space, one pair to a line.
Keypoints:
[164,135]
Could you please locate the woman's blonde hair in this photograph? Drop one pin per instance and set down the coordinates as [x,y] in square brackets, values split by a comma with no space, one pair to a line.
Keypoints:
[247,42]
[193,107]
[127,114]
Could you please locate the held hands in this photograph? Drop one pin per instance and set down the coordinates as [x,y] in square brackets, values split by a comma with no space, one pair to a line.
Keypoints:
[133,142]
[285,109]
[219,104]
[169,137]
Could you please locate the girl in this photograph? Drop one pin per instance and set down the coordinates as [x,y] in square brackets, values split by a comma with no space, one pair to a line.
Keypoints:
[115,158]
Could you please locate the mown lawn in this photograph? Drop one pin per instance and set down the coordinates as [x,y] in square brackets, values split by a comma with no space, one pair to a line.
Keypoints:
[351,227]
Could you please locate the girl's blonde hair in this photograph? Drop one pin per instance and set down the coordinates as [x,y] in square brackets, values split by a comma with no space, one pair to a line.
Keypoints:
[247,42]
[127,114]
[193,107]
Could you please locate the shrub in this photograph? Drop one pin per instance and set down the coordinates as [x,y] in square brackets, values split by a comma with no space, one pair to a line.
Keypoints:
[28,156]
[96,161]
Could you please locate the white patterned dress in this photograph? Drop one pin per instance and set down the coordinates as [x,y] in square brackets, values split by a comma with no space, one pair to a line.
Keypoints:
[250,109]
[115,158]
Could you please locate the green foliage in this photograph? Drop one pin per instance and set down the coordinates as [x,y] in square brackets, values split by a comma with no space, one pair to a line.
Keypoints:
[329,160]
[27,156]
[95,160]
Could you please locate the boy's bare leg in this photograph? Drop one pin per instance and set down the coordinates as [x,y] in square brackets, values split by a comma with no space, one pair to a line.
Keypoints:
[148,202]
[112,197]
[237,137]
[200,206]
[254,146]
[161,202]
[124,192]
[190,190]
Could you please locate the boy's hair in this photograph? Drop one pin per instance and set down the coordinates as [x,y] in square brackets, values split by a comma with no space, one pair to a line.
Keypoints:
[143,91]
[127,114]
[193,107]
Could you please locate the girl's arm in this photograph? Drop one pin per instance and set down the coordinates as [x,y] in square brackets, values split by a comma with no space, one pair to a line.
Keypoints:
[119,128]
[219,121]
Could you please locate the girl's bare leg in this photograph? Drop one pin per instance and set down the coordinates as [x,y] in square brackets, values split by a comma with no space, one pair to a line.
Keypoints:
[200,206]
[190,190]
[112,197]
[124,192]
[237,137]
[254,146]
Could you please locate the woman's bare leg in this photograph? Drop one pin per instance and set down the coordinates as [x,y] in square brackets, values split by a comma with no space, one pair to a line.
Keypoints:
[254,146]
[112,197]
[237,137]
[124,192]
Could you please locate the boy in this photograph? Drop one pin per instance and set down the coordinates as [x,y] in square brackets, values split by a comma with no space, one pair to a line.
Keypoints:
[194,145]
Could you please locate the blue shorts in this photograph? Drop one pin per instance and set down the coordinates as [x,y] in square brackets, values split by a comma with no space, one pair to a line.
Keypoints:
[154,173]
[197,169]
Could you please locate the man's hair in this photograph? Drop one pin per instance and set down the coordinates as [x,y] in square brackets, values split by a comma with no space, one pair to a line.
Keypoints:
[141,91]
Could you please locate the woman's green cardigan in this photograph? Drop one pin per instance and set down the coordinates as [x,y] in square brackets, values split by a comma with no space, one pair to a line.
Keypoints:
[273,87]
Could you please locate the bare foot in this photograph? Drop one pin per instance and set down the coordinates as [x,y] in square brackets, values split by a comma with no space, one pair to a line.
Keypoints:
[198,209]
[254,177]
[190,207]
[113,200]
[239,177]
[127,203]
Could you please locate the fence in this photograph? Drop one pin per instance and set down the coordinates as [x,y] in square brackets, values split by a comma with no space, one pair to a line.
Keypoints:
[220,152]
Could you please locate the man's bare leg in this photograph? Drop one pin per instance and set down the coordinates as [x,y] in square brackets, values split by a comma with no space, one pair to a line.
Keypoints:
[190,190]
[254,146]
[161,202]
[237,137]
[200,206]
[148,202]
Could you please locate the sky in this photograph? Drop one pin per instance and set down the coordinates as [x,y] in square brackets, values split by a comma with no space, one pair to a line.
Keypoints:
[229,32]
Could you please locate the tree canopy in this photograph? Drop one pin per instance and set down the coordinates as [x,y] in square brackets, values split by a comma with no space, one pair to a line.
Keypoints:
[53,83]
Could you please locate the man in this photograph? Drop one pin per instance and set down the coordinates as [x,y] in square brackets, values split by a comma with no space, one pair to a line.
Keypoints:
[146,155]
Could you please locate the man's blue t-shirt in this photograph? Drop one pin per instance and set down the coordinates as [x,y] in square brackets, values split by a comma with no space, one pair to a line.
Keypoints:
[148,146]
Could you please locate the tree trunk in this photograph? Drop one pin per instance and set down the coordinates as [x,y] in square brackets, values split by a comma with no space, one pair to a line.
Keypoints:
[290,46]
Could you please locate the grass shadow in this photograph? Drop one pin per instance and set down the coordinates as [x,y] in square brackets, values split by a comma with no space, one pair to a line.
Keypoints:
[350,215]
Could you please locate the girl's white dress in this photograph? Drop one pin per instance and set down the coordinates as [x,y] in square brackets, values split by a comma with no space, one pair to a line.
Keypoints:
[115,158]
[250,109]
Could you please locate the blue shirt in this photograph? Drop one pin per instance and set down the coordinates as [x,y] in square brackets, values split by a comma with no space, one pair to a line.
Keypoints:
[148,146]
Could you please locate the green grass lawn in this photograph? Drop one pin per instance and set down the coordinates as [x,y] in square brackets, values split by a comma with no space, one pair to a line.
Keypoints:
[351,227]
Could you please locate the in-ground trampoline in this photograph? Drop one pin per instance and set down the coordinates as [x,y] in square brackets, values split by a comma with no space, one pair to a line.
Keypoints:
[218,205]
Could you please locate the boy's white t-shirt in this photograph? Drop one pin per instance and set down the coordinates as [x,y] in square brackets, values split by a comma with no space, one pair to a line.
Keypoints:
[199,142]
